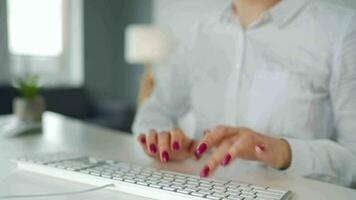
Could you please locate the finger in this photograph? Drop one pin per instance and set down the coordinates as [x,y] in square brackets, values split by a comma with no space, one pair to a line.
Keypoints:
[191,150]
[243,147]
[151,142]
[213,138]
[233,152]
[215,159]
[142,139]
[163,145]
[177,139]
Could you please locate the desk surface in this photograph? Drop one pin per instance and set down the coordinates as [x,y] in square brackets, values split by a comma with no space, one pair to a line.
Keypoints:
[65,134]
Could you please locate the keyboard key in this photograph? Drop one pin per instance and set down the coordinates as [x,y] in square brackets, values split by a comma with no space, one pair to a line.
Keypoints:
[219,195]
[179,181]
[168,188]
[117,178]
[235,197]
[154,185]
[183,191]
[84,171]
[95,173]
[106,176]
[177,186]
[247,196]
[212,197]
[198,194]
[205,191]
[129,181]
[141,183]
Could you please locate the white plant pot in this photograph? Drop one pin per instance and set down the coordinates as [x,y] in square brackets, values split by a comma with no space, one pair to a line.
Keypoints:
[29,110]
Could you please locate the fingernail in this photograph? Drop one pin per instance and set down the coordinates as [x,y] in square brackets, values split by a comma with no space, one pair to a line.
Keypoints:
[196,155]
[205,171]
[165,156]
[260,148]
[143,140]
[153,148]
[175,146]
[201,149]
[226,160]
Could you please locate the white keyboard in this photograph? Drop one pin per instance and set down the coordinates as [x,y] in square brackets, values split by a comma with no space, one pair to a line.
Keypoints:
[142,181]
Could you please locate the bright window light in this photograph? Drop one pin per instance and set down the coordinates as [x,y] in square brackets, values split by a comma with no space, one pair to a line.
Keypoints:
[35,27]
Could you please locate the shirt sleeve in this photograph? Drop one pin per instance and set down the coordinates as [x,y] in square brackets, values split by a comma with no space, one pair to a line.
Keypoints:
[170,99]
[334,160]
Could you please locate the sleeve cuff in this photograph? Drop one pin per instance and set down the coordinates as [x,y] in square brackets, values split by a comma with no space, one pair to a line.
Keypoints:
[302,160]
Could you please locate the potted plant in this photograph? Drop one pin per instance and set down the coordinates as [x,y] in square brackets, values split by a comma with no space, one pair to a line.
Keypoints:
[30,106]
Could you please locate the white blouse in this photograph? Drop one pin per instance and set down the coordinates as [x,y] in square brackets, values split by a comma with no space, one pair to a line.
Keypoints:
[291,74]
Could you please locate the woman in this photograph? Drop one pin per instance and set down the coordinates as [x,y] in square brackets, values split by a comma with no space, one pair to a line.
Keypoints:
[268,80]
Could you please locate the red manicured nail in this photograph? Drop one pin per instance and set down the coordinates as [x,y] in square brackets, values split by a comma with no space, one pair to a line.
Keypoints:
[205,171]
[226,160]
[165,156]
[201,149]
[175,146]
[143,140]
[196,155]
[153,148]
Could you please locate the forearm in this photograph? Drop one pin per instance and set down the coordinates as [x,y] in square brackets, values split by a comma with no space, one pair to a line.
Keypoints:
[324,160]
[153,116]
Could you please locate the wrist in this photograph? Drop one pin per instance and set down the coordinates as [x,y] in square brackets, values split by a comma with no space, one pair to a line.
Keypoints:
[286,153]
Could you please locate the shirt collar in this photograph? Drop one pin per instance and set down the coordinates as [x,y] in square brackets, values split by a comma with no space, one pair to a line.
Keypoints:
[281,14]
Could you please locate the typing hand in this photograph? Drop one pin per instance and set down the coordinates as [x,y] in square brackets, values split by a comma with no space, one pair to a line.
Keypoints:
[242,143]
[168,145]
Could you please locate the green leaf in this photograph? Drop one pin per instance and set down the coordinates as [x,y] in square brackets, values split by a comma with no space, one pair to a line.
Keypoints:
[28,86]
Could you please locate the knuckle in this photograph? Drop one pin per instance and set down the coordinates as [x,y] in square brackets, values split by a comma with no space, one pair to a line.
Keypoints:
[152,131]
[248,136]
[163,134]
[175,131]
[163,138]
[235,151]
[221,128]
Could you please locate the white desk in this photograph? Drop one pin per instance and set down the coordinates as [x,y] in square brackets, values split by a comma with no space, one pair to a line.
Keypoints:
[65,134]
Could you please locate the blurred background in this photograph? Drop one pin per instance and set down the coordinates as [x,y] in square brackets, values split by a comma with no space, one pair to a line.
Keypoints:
[78,49]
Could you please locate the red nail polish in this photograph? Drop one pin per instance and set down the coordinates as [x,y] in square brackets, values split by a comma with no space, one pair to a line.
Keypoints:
[165,156]
[175,146]
[226,160]
[153,148]
[205,171]
[201,149]
[196,155]
[143,140]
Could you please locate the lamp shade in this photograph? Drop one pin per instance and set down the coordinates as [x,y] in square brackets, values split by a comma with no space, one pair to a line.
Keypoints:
[146,44]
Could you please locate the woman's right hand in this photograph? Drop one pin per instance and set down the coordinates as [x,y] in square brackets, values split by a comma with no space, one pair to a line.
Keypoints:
[167,146]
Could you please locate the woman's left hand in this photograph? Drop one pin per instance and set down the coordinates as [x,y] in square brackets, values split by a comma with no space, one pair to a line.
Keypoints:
[243,143]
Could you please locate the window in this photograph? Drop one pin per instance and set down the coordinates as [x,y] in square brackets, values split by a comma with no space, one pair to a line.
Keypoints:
[45,38]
